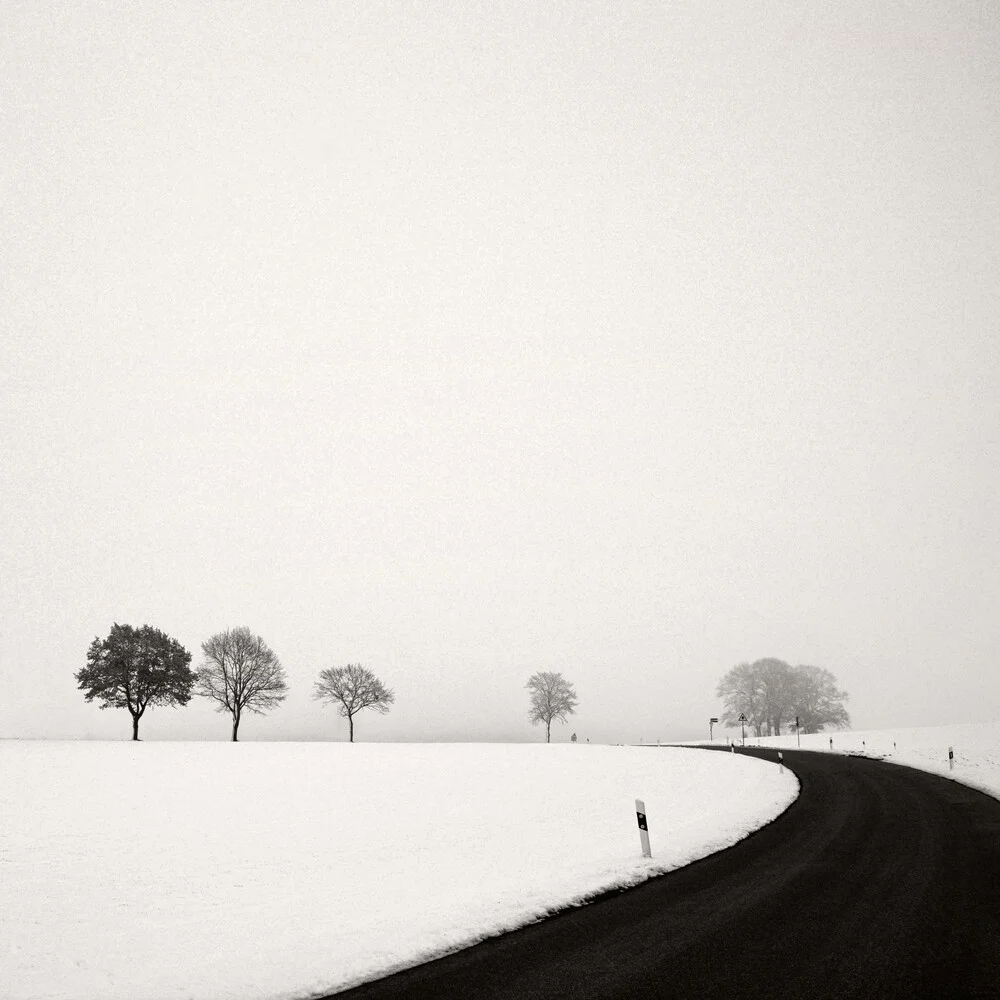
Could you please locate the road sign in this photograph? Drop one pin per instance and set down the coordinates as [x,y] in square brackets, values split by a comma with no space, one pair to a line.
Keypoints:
[742,718]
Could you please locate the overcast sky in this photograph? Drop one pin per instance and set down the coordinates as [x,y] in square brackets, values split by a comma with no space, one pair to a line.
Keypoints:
[627,340]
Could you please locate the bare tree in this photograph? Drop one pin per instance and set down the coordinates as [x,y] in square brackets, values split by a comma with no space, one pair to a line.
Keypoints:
[353,688]
[242,674]
[552,697]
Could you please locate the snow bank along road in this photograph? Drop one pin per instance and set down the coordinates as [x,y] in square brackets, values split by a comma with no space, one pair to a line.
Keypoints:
[879,881]
[223,871]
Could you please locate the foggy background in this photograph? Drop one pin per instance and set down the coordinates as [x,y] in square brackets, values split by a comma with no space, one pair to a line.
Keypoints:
[624,340]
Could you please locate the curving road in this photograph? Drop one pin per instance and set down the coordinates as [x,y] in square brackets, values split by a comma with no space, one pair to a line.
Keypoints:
[878,882]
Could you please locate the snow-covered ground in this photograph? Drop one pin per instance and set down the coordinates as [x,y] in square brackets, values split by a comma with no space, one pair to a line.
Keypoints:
[153,871]
[976,748]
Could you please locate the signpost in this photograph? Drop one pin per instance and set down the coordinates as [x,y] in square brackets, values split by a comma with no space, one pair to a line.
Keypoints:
[743,720]
[711,722]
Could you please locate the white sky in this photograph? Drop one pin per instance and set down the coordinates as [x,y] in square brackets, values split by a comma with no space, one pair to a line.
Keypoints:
[626,340]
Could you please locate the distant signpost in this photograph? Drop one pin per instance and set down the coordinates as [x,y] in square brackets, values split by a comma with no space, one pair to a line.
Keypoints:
[743,720]
[711,722]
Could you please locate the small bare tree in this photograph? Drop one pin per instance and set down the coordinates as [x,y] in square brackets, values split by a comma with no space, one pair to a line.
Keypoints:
[552,697]
[353,688]
[241,673]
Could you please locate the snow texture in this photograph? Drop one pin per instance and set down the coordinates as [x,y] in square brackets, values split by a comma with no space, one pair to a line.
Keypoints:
[159,871]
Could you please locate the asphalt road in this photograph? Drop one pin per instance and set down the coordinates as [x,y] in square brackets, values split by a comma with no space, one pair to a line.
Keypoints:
[878,882]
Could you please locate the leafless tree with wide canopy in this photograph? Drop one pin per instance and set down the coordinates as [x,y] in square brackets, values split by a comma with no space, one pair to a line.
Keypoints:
[241,674]
[552,697]
[353,688]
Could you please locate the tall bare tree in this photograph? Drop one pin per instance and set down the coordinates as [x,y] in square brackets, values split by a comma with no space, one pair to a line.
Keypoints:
[241,674]
[353,688]
[135,668]
[552,697]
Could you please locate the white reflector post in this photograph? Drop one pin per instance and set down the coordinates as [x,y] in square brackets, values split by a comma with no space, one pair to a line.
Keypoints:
[951,758]
[640,815]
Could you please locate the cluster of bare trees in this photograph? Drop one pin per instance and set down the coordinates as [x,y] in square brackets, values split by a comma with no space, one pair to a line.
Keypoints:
[772,694]
[136,668]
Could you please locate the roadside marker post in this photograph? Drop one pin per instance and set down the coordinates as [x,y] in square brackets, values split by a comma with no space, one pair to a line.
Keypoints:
[951,758]
[781,763]
[640,815]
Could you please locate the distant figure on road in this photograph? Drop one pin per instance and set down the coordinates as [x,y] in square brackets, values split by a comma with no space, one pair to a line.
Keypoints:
[573,738]
[831,742]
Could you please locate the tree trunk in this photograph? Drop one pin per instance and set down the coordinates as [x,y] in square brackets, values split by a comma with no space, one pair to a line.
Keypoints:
[548,730]
[350,722]
[135,727]
[236,726]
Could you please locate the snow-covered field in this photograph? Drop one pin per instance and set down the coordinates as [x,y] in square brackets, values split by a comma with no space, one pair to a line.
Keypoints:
[153,871]
[976,748]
